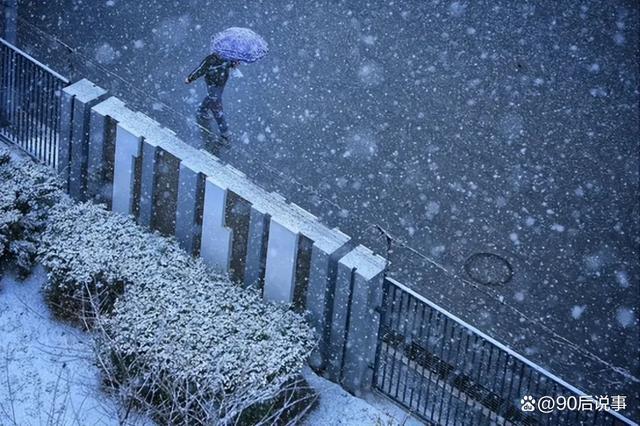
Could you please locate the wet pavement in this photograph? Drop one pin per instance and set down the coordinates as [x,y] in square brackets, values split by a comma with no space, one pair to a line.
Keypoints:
[498,141]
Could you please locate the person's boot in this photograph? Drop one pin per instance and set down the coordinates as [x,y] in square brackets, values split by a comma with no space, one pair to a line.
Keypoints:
[225,138]
[207,133]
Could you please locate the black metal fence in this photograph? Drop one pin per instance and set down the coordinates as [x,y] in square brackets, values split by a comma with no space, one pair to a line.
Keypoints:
[30,103]
[446,372]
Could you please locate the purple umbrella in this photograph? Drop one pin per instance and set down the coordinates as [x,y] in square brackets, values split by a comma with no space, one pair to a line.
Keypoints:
[239,44]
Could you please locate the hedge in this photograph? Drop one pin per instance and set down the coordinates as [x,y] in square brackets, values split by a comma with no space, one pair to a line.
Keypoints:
[27,191]
[173,336]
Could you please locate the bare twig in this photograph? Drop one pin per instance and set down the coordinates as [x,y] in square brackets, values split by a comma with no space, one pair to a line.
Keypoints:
[10,395]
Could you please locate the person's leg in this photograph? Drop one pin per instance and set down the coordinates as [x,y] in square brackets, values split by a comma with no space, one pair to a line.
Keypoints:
[215,105]
[204,115]
[204,112]
[218,114]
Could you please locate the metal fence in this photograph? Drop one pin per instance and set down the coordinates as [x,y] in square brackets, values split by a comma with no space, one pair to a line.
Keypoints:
[446,372]
[30,103]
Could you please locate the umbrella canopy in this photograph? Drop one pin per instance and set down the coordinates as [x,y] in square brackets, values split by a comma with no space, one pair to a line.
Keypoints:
[239,44]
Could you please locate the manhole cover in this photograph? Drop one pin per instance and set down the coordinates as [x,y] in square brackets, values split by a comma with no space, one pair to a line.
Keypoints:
[488,269]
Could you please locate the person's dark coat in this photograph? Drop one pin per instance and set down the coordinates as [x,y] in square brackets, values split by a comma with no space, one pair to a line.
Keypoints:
[215,71]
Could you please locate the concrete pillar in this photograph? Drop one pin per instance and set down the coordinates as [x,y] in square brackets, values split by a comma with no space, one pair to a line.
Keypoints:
[303,269]
[365,274]
[128,150]
[215,245]
[280,269]
[95,156]
[148,174]
[165,195]
[64,142]
[101,152]
[73,149]
[338,331]
[189,208]
[237,219]
[320,296]
[256,248]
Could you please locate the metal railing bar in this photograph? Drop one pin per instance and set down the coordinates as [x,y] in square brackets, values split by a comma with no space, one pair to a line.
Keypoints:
[415,377]
[35,61]
[456,365]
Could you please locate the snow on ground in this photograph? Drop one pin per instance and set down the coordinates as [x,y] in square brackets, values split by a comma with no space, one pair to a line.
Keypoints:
[336,406]
[52,379]
[46,372]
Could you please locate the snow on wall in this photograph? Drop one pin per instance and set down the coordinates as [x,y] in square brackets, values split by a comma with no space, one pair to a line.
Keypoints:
[121,166]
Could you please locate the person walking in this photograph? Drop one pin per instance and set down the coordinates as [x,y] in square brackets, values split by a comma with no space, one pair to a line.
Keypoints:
[229,48]
[216,73]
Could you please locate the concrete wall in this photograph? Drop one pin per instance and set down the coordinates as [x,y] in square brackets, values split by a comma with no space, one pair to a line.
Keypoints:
[114,155]
[73,154]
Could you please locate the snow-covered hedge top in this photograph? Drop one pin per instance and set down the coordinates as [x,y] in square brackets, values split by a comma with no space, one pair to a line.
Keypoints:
[27,190]
[25,186]
[182,318]
[85,241]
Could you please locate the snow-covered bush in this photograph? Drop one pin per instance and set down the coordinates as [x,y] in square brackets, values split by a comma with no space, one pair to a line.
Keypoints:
[91,252]
[198,348]
[186,344]
[27,191]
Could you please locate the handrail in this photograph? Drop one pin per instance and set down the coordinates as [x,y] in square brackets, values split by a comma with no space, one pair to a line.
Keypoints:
[32,59]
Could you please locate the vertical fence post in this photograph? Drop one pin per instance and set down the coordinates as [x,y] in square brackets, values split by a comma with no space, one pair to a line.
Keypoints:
[189,207]
[280,272]
[10,20]
[148,176]
[256,247]
[128,150]
[320,293]
[356,319]
[73,150]
[215,245]
[99,156]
